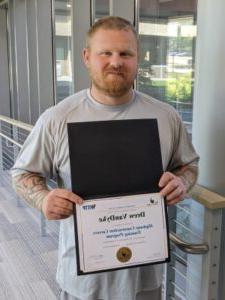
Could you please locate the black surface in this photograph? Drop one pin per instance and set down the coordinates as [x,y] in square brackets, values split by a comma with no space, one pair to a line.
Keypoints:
[111,158]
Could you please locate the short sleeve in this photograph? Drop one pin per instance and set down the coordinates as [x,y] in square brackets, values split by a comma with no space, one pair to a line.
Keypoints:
[38,151]
[183,151]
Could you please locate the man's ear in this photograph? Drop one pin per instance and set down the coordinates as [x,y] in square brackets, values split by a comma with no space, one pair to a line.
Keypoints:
[85,55]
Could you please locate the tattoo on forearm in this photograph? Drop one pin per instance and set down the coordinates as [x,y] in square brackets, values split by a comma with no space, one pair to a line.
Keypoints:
[32,188]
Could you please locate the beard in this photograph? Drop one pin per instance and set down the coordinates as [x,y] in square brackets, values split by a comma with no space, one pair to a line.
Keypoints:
[113,83]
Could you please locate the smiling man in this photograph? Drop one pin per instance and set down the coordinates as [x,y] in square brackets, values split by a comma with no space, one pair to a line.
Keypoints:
[111,57]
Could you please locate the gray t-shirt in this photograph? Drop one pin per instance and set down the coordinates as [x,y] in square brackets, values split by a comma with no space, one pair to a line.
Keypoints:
[46,152]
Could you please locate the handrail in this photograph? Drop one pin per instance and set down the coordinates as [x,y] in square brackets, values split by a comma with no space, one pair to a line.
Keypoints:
[19,124]
[11,140]
[207,198]
[188,247]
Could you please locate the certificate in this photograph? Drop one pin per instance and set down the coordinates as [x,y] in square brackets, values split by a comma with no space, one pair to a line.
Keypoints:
[115,167]
[121,232]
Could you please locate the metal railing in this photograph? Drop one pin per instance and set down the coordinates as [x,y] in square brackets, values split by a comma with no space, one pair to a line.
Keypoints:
[188,247]
[192,245]
[197,218]
[12,136]
[11,128]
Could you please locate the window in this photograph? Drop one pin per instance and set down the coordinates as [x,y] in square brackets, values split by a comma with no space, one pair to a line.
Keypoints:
[63,49]
[167,32]
[100,9]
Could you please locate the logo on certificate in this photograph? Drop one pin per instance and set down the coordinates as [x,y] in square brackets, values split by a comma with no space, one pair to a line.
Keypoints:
[124,254]
[89,206]
[152,201]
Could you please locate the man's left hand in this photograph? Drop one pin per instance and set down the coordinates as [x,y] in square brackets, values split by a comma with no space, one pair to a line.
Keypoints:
[173,188]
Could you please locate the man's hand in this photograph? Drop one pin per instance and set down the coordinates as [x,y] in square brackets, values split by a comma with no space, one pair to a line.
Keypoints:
[58,204]
[55,205]
[173,188]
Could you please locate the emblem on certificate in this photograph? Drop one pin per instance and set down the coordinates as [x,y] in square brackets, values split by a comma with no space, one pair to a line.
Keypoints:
[124,254]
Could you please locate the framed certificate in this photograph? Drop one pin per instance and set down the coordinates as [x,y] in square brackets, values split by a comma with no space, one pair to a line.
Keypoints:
[121,232]
[116,166]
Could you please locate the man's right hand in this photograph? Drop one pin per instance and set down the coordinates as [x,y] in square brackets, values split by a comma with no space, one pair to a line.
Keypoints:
[58,204]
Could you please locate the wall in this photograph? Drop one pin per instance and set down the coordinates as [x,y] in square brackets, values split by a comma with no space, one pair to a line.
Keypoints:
[30,58]
[209,105]
[4,70]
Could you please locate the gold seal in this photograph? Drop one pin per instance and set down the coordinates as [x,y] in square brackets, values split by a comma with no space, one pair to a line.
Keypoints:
[124,254]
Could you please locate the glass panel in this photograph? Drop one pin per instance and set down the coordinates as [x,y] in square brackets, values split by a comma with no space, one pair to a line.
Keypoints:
[100,9]
[167,31]
[63,50]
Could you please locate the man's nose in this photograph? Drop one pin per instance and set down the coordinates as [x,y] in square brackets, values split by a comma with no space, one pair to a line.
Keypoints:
[116,60]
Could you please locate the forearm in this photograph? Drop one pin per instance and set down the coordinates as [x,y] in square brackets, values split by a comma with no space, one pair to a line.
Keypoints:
[188,174]
[32,188]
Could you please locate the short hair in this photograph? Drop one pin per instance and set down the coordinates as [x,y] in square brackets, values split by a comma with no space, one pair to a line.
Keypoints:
[113,23]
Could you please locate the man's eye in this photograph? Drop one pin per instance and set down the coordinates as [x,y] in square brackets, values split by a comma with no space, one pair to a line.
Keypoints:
[106,53]
[125,54]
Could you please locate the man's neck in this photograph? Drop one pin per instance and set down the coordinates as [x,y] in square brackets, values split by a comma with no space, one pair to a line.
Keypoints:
[110,100]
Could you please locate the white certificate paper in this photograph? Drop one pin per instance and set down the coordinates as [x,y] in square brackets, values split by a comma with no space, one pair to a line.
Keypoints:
[121,232]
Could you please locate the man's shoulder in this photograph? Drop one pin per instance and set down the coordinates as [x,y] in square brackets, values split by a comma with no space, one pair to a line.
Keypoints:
[60,111]
[156,105]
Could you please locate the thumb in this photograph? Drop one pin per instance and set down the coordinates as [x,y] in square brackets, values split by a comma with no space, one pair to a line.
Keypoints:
[165,178]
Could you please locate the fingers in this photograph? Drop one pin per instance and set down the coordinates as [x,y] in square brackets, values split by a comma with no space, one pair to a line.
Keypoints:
[67,205]
[58,204]
[65,194]
[57,217]
[173,188]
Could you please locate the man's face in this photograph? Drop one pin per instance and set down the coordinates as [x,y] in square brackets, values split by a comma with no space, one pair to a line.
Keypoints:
[112,61]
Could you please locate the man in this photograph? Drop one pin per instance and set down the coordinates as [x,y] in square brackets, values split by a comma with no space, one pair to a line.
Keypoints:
[111,56]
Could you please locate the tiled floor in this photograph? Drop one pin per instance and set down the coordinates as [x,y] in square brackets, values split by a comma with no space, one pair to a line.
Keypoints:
[27,260]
